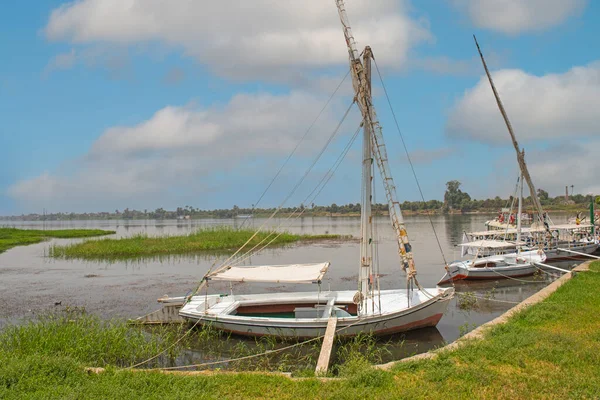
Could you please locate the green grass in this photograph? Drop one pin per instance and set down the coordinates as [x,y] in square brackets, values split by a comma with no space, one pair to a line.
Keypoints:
[548,351]
[204,240]
[11,237]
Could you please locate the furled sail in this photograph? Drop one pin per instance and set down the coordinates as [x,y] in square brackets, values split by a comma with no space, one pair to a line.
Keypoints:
[291,273]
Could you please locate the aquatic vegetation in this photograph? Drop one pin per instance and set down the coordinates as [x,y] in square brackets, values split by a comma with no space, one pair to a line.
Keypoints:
[549,350]
[203,240]
[465,328]
[11,237]
[467,301]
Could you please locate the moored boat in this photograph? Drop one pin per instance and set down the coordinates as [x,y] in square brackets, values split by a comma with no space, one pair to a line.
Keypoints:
[511,265]
[307,314]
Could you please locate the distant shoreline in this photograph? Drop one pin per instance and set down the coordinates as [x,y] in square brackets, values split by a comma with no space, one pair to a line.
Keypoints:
[307,214]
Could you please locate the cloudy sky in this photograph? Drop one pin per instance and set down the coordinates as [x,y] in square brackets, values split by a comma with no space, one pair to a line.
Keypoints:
[108,104]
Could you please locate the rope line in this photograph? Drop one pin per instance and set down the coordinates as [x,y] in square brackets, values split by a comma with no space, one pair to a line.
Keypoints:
[203,281]
[489,299]
[297,145]
[333,134]
[259,354]
[165,350]
[409,159]
[324,181]
[514,279]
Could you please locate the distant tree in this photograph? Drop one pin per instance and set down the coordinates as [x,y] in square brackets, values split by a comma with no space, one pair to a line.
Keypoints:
[542,194]
[456,199]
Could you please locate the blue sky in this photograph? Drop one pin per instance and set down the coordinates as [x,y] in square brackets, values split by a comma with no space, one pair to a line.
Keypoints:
[108,104]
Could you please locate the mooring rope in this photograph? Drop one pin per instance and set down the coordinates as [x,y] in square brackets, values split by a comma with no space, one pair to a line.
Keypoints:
[488,299]
[267,352]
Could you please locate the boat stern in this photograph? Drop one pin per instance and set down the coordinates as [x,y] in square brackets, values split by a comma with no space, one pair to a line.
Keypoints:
[453,273]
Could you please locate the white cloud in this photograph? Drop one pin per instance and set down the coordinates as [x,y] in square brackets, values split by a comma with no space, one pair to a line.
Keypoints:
[243,39]
[180,150]
[568,163]
[539,107]
[517,16]
[61,61]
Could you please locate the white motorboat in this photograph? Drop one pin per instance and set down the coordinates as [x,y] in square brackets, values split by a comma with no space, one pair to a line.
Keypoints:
[511,265]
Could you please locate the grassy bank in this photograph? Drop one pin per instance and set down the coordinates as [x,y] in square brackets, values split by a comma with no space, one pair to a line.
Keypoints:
[549,351]
[212,239]
[11,237]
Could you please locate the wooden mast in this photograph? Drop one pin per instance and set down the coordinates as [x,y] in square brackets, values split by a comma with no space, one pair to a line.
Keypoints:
[362,88]
[520,153]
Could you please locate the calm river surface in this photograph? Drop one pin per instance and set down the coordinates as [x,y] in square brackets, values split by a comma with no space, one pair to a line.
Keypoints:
[31,283]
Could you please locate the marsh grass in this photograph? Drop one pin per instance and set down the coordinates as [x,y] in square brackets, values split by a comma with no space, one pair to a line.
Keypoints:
[74,334]
[548,351]
[11,237]
[204,240]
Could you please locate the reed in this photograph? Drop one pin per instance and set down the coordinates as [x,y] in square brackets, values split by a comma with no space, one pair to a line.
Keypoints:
[204,240]
[11,237]
[74,334]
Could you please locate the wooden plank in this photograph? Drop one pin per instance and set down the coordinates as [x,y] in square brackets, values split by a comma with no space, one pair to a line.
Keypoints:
[325,355]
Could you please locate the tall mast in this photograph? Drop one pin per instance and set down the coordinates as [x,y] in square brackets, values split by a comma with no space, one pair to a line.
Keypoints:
[520,153]
[362,88]
[520,211]
[366,246]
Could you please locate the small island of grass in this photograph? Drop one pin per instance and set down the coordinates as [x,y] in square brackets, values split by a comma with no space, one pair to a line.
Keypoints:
[11,237]
[204,240]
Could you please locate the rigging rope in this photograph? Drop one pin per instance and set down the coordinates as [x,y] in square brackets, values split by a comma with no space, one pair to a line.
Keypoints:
[409,159]
[324,181]
[333,134]
[296,148]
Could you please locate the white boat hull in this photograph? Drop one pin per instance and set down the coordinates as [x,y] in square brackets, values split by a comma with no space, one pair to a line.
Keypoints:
[396,314]
[494,267]
[558,255]
[552,253]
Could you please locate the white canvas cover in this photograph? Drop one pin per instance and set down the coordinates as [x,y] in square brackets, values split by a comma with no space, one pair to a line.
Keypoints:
[291,273]
[490,244]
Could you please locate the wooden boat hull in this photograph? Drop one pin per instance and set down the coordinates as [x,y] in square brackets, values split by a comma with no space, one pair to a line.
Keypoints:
[422,312]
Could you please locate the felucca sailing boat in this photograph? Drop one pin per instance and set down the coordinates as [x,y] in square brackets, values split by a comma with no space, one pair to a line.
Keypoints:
[495,259]
[306,314]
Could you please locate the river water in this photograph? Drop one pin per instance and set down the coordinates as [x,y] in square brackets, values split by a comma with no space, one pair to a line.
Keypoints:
[31,283]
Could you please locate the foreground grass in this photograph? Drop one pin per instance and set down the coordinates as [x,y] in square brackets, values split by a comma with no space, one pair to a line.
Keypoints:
[11,237]
[211,239]
[549,351]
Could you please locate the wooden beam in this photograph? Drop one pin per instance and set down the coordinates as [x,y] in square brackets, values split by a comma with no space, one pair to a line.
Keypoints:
[325,355]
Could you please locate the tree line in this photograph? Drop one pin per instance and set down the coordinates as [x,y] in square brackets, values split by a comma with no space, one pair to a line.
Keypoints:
[455,200]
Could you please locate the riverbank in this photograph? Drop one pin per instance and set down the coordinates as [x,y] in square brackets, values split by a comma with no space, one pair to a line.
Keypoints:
[203,240]
[550,350]
[11,237]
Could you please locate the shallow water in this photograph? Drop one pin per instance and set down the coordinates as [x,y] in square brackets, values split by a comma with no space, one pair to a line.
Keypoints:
[31,283]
